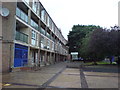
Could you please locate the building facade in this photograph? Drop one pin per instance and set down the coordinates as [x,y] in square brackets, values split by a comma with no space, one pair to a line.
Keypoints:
[119,13]
[30,38]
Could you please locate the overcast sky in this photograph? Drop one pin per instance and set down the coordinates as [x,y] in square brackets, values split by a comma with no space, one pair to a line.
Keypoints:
[66,13]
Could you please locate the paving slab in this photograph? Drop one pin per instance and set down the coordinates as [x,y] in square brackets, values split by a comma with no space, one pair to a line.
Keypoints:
[101,80]
[27,78]
[32,78]
[101,76]
[71,71]
[69,78]
[49,71]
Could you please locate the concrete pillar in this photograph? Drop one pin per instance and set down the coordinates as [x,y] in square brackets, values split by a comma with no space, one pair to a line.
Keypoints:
[51,60]
[39,58]
[12,51]
[45,58]
[29,58]
[55,57]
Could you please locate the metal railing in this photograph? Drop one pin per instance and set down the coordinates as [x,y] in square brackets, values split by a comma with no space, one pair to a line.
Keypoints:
[21,37]
[22,15]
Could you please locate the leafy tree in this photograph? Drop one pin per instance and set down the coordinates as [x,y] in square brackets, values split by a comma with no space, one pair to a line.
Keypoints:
[94,42]
[77,34]
[104,42]
[84,50]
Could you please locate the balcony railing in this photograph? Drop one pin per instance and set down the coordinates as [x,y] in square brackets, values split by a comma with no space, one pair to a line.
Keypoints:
[42,31]
[21,15]
[21,37]
[48,35]
[34,24]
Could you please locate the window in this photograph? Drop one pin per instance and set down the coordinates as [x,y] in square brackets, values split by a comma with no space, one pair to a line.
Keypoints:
[34,6]
[33,41]
[52,46]
[50,24]
[37,35]
[52,27]
[48,21]
[48,44]
[42,42]
[38,9]
[43,15]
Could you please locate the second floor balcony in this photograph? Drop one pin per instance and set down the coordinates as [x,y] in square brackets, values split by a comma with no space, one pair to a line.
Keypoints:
[21,15]
[21,37]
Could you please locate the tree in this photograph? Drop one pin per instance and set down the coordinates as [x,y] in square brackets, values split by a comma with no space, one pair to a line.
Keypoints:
[84,50]
[94,42]
[104,42]
[77,34]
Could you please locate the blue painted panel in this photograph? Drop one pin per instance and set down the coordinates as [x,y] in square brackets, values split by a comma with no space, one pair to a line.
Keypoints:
[21,55]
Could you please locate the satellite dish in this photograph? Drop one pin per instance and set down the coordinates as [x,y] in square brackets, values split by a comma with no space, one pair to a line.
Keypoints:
[4,12]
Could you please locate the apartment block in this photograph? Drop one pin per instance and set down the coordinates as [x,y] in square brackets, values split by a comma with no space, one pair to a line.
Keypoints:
[30,38]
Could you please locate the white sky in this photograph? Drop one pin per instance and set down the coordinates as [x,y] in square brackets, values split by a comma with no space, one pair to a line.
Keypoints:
[66,13]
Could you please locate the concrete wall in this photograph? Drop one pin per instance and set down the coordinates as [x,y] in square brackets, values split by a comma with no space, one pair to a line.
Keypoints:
[8,32]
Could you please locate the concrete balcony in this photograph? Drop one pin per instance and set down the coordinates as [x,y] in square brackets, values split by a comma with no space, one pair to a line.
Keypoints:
[21,37]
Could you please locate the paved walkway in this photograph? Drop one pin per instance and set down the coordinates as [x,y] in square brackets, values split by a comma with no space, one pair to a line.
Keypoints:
[101,76]
[63,75]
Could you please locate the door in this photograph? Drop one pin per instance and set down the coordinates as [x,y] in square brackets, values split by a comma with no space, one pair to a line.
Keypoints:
[20,55]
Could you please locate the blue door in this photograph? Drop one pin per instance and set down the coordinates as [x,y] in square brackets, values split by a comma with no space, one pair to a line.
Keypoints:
[21,55]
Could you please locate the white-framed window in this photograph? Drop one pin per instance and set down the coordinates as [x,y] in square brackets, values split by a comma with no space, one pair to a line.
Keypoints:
[48,44]
[52,26]
[48,21]
[35,6]
[52,46]
[33,39]
[37,41]
[38,8]
[43,15]
[42,42]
